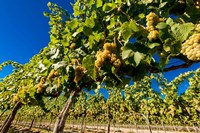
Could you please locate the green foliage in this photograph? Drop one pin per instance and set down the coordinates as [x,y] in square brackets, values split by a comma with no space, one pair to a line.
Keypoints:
[75,41]
[129,105]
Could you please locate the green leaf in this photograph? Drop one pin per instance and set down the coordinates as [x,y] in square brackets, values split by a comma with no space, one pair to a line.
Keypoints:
[53,39]
[170,21]
[49,4]
[126,34]
[127,53]
[109,7]
[87,31]
[99,3]
[153,45]
[166,47]
[90,2]
[89,63]
[133,26]
[77,10]
[162,4]
[73,24]
[128,2]
[89,22]
[59,64]
[161,25]
[128,29]
[93,39]
[138,57]
[141,15]
[181,31]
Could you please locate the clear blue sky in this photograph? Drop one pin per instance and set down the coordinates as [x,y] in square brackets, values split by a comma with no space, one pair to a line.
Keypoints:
[24,31]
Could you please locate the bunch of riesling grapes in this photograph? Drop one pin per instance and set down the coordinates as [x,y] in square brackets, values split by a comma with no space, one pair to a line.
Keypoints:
[79,73]
[197,27]
[21,90]
[152,20]
[108,55]
[40,86]
[52,75]
[191,47]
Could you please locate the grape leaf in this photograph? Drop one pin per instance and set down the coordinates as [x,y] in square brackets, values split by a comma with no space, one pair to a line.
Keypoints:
[138,57]
[181,31]
[88,63]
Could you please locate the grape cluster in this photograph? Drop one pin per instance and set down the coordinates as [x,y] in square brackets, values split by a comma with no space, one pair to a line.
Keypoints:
[197,27]
[79,73]
[108,55]
[191,47]
[40,86]
[22,90]
[52,75]
[153,35]
[152,20]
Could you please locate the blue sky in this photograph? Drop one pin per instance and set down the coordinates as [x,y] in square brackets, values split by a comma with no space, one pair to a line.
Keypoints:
[24,31]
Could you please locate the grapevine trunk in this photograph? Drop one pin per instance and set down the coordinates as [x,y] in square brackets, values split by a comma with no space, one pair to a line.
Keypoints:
[11,117]
[61,119]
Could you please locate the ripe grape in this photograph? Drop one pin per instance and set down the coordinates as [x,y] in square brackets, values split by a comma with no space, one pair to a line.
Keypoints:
[52,74]
[113,58]
[191,47]
[79,73]
[110,47]
[72,46]
[153,35]
[39,89]
[99,62]
[117,63]
[152,20]
[108,55]
[197,28]
[58,83]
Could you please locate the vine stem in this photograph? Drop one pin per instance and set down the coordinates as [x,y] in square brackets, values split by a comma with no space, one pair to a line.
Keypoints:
[61,119]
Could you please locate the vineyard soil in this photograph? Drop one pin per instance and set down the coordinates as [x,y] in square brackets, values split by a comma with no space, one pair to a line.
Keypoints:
[43,128]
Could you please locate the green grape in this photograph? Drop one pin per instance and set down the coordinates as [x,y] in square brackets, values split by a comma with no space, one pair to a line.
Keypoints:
[191,47]
[107,56]
[153,35]
[79,73]
[152,20]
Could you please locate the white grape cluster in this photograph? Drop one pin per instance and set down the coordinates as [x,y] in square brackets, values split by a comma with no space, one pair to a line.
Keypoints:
[191,47]
[79,73]
[197,27]
[108,55]
[152,20]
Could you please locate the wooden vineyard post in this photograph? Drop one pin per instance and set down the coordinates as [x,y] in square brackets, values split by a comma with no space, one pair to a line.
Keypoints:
[60,122]
[11,117]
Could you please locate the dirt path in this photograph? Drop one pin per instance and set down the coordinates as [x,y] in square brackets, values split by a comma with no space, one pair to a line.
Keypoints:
[75,128]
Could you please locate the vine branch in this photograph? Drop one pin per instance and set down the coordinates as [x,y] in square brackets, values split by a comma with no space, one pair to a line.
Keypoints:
[184,65]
